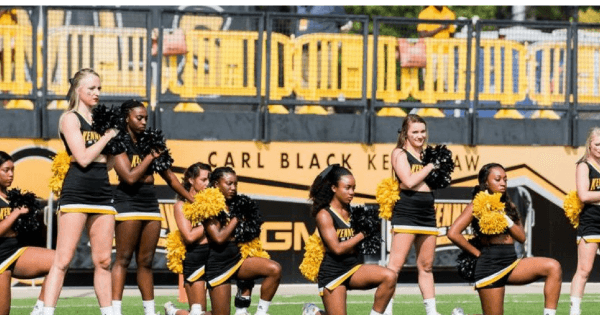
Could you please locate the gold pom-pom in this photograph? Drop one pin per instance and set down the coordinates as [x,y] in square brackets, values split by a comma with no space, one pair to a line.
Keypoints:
[207,203]
[60,166]
[572,207]
[315,251]
[175,251]
[386,195]
[254,248]
[490,212]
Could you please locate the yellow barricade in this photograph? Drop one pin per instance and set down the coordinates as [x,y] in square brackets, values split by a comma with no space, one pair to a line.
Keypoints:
[223,63]
[547,76]
[13,42]
[588,73]
[331,66]
[120,74]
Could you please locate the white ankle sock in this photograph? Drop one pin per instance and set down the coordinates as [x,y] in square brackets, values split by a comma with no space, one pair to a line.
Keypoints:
[106,310]
[389,307]
[575,305]
[148,307]
[263,307]
[48,310]
[548,311]
[430,306]
[116,305]
[374,313]
[196,309]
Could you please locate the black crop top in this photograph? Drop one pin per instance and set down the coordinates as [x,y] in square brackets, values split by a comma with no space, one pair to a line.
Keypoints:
[342,227]
[89,137]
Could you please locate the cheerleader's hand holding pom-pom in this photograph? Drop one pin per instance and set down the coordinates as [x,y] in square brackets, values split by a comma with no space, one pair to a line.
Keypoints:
[489,210]
[573,207]
[465,263]
[207,204]
[105,119]
[365,219]
[443,166]
[27,205]
[153,139]
[250,221]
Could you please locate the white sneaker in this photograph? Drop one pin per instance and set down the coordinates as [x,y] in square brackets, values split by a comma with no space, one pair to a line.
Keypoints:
[310,309]
[458,311]
[170,308]
[36,311]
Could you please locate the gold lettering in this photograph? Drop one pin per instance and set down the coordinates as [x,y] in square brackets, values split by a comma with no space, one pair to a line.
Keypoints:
[283,239]
[4,212]
[415,168]
[300,234]
[135,161]
[595,184]
[90,135]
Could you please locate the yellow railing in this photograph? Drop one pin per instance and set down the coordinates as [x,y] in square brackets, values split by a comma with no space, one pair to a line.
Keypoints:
[313,66]
[120,74]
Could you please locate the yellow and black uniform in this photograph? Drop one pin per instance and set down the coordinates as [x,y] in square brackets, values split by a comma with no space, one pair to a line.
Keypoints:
[414,213]
[223,262]
[10,250]
[86,189]
[194,263]
[495,263]
[335,270]
[137,201]
[589,219]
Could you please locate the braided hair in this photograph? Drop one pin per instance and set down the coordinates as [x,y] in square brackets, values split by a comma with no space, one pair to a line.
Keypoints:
[321,193]
[128,106]
[510,208]
[191,173]
[4,157]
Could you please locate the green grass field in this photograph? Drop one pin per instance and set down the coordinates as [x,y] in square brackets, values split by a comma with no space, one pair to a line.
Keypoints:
[530,304]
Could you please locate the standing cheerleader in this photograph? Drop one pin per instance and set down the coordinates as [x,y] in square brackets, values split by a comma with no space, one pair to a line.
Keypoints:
[195,179]
[225,260]
[497,263]
[138,220]
[587,180]
[413,217]
[342,266]
[15,260]
[86,197]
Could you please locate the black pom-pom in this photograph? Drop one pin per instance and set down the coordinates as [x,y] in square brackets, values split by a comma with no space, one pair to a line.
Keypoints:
[366,219]
[248,214]
[106,118]
[223,218]
[151,139]
[465,263]
[162,163]
[440,178]
[117,145]
[27,222]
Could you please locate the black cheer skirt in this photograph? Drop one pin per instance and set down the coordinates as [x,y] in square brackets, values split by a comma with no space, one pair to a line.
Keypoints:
[223,262]
[589,224]
[494,265]
[194,264]
[10,251]
[336,270]
[136,202]
[414,213]
[87,190]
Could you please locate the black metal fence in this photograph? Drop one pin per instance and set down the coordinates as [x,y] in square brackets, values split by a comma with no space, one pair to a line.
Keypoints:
[290,77]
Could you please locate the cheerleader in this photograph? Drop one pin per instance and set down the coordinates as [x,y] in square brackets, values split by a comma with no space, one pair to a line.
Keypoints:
[138,221]
[225,261]
[195,179]
[342,267]
[86,197]
[587,179]
[497,262]
[413,216]
[17,261]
